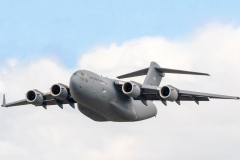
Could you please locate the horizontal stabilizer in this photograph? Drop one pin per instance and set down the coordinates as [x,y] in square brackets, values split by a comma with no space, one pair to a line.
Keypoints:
[134,74]
[167,70]
[160,70]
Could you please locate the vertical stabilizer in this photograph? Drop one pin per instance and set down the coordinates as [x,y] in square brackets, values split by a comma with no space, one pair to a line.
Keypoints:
[153,77]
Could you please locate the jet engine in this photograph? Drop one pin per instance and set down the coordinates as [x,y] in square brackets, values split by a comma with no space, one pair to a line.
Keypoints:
[35,97]
[168,93]
[131,89]
[59,91]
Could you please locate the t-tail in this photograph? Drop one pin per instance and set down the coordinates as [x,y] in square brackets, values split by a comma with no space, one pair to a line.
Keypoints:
[155,73]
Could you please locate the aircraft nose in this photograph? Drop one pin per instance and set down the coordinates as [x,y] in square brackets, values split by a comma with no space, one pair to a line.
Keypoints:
[74,84]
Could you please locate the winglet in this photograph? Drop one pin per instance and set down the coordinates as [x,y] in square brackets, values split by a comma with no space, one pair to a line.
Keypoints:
[4,101]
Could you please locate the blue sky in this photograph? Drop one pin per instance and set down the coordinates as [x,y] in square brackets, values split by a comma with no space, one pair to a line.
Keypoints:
[66,29]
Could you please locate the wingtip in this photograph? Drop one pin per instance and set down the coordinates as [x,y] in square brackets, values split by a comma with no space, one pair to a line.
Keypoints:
[206,74]
[4,101]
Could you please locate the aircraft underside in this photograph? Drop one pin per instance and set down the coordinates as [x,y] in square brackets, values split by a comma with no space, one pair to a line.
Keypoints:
[117,112]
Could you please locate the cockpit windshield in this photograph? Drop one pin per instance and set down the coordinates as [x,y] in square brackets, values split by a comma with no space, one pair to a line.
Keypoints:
[80,73]
[77,73]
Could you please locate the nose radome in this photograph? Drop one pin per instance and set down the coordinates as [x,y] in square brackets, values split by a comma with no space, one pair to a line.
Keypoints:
[73,84]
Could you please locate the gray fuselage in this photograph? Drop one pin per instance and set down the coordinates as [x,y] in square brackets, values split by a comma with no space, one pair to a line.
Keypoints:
[101,100]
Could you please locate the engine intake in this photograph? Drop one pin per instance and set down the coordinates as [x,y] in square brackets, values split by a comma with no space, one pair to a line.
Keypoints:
[168,93]
[59,91]
[131,89]
[34,97]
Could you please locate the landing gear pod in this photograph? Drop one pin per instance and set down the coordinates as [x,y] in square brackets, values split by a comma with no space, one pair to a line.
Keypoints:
[168,93]
[59,91]
[131,89]
[34,97]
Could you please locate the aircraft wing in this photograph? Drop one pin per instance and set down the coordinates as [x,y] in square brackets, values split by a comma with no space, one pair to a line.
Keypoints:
[152,93]
[199,94]
[47,99]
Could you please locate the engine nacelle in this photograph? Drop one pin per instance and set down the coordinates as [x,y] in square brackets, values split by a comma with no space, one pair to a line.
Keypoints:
[34,97]
[59,91]
[131,89]
[168,93]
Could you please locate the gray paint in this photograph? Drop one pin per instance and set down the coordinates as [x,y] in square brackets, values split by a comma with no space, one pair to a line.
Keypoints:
[91,114]
[167,70]
[102,99]
[153,77]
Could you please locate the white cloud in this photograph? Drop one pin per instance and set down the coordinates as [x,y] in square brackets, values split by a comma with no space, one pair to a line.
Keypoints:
[208,131]
[116,148]
[2,86]
[12,62]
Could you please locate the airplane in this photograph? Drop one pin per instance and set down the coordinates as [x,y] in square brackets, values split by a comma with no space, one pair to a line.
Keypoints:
[103,99]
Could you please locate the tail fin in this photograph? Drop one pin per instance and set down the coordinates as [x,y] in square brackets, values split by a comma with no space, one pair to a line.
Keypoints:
[155,73]
[153,77]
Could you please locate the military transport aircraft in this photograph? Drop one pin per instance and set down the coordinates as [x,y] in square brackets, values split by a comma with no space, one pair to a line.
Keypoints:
[105,99]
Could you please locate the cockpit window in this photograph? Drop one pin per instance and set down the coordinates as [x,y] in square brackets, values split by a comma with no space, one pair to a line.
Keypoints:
[84,74]
[77,73]
[81,74]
